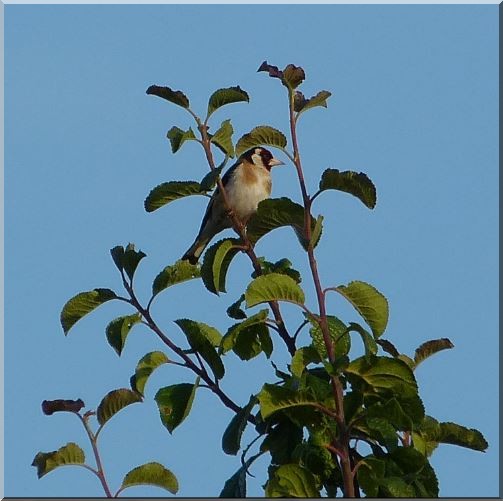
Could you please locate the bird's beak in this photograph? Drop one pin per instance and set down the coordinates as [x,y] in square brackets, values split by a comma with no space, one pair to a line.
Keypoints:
[274,162]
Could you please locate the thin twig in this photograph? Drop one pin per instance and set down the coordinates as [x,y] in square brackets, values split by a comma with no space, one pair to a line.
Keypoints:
[99,467]
[335,381]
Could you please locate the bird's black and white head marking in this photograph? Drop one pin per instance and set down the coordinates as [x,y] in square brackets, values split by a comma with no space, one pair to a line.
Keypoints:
[261,158]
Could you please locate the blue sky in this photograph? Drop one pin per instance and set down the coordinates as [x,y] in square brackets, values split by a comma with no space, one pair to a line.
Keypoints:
[414,105]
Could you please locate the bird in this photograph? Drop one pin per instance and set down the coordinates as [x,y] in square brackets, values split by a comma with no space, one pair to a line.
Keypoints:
[246,184]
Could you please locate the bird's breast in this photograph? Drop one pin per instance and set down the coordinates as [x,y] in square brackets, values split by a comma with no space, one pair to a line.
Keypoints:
[250,185]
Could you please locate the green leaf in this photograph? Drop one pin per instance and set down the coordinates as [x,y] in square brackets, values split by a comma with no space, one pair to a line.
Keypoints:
[175,402]
[425,437]
[282,440]
[368,340]
[283,266]
[221,97]
[235,487]
[396,487]
[388,347]
[302,104]
[209,181]
[316,232]
[292,76]
[146,366]
[231,440]
[131,259]
[392,411]
[118,256]
[151,474]
[429,348]
[235,311]
[292,481]
[217,260]
[170,191]
[249,338]
[260,136]
[181,271]
[338,333]
[118,329]
[173,96]
[384,374]
[383,431]
[274,398]
[82,304]
[455,434]
[69,454]
[275,213]
[316,459]
[178,136]
[302,358]
[223,138]
[115,401]
[369,303]
[369,475]
[273,287]
[203,338]
[354,183]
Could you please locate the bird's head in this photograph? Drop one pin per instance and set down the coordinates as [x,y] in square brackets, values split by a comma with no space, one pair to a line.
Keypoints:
[261,158]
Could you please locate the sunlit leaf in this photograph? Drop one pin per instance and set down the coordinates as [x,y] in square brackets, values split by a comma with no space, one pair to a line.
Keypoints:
[455,434]
[273,398]
[173,96]
[354,183]
[223,138]
[168,192]
[178,136]
[369,303]
[275,213]
[151,474]
[69,454]
[248,338]
[429,348]
[388,347]
[115,401]
[221,97]
[82,304]
[292,76]
[292,481]
[117,331]
[302,104]
[338,334]
[203,339]
[175,402]
[263,135]
[303,357]
[146,366]
[217,260]
[368,341]
[273,287]
[384,374]
[283,266]
[177,273]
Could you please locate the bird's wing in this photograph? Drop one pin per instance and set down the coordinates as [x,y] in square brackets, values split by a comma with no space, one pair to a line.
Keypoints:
[216,194]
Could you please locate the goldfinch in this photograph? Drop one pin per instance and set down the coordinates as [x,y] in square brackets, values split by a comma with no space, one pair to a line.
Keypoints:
[246,183]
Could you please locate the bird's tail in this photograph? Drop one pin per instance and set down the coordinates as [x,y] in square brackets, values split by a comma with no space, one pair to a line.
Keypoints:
[195,250]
